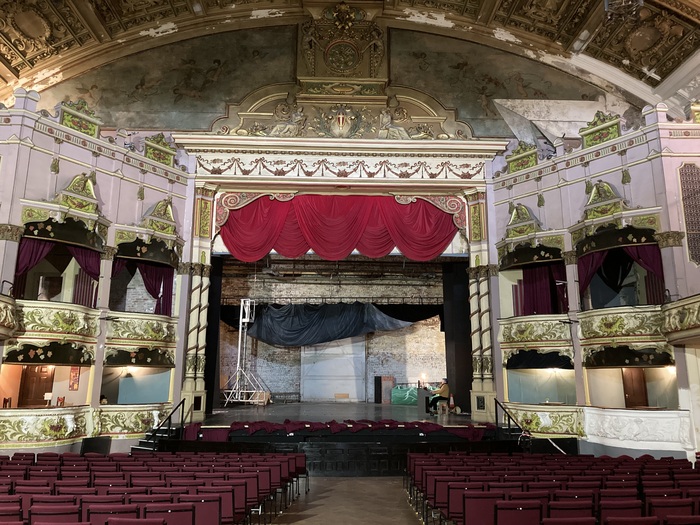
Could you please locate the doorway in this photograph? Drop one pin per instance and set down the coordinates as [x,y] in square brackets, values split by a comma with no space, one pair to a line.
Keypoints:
[635,387]
[36,381]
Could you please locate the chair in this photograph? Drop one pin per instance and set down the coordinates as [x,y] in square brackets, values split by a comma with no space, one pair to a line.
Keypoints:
[607,494]
[93,499]
[571,508]
[141,499]
[10,513]
[135,521]
[519,512]
[648,520]
[54,514]
[229,512]
[663,507]
[540,495]
[590,520]
[481,506]
[619,508]
[172,513]
[682,520]
[6,402]
[207,507]
[98,514]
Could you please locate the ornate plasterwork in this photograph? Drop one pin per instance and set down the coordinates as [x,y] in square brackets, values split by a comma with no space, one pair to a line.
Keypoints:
[535,329]
[8,318]
[160,218]
[621,326]
[140,330]
[522,157]
[669,239]
[132,421]
[602,128]
[76,201]
[10,232]
[545,422]
[690,191]
[158,149]
[61,322]
[522,222]
[39,427]
[79,117]
[651,430]
[567,351]
[659,347]
[681,319]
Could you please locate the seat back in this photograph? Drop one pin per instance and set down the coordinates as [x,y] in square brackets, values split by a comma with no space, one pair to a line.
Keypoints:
[98,514]
[481,506]
[172,513]
[573,508]
[54,514]
[207,507]
[518,512]
[663,507]
[620,508]
[87,501]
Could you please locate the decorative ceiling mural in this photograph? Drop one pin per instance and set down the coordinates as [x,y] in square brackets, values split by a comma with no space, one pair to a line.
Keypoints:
[470,77]
[185,85]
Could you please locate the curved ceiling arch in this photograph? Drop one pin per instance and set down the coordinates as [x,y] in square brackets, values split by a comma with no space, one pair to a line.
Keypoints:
[653,56]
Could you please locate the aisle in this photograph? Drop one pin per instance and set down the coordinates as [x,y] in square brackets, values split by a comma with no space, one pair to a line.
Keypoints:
[351,501]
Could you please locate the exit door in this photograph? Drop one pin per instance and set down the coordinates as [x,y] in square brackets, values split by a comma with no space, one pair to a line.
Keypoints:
[36,381]
[635,387]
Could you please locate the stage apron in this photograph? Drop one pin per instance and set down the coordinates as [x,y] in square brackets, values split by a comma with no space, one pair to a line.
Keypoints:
[334,371]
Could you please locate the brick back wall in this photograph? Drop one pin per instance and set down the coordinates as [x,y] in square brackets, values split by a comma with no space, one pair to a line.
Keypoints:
[404,354]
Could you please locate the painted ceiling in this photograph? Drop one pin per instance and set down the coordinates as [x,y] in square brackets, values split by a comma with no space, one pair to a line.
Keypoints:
[176,64]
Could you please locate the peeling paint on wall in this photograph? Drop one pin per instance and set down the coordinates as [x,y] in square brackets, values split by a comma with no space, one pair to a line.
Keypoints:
[266,13]
[433,19]
[506,36]
[165,29]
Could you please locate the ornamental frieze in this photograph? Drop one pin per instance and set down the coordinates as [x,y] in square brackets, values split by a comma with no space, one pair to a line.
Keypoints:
[139,327]
[39,427]
[130,419]
[681,317]
[545,422]
[621,323]
[56,320]
[533,329]
[355,169]
[563,349]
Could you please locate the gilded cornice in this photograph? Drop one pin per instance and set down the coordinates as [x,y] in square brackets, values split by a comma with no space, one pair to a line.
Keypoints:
[671,239]
[10,232]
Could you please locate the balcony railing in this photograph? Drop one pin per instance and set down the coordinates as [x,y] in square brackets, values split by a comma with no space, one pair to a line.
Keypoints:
[535,332]
[621,326]
[56,321]
[681,319]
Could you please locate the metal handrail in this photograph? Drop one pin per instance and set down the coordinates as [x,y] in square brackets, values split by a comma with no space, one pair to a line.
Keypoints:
[169,421]
[508,418]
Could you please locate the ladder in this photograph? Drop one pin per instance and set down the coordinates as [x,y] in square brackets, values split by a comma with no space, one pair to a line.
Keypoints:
[243,386]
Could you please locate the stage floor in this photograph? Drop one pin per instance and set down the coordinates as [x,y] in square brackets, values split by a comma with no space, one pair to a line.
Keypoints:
[325,412]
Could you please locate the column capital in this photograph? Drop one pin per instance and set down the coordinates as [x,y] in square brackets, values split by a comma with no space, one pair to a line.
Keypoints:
[11,232]
[669,239]
[570,257]
[109,253]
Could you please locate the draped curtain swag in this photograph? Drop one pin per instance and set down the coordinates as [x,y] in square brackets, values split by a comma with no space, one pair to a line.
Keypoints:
[333,226]
[648,256]
[158,281]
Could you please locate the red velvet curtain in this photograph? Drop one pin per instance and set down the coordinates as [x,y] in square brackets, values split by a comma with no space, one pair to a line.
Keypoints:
[158,282]
[588,265]
[333,226]
[88,260]
[537,281]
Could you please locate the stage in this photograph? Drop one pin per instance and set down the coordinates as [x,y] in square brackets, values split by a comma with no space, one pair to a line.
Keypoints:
[339,438]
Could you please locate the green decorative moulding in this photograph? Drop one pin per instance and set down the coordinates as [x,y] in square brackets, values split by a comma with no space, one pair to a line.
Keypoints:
[601,129]
[78,116]
[158,150]
[695,113]
[523,157]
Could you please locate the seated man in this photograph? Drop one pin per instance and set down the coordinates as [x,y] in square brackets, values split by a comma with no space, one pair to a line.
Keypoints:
[441,394]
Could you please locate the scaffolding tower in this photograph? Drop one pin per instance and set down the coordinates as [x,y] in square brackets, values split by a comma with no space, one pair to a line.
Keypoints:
[243,386]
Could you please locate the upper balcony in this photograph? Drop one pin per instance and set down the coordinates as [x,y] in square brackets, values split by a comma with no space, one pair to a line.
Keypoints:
[534,332]
[625,325]
[48,320]
[137,332]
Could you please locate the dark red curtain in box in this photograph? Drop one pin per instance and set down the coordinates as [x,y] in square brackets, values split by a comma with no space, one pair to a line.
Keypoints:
[333,226]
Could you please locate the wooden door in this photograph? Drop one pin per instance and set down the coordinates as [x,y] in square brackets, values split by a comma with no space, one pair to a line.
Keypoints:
[36,381]
[635,387]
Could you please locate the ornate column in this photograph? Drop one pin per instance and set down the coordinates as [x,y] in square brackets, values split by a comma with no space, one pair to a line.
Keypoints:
[195,282]
[105,284]
[574,300]
[483,389]
[10,236]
